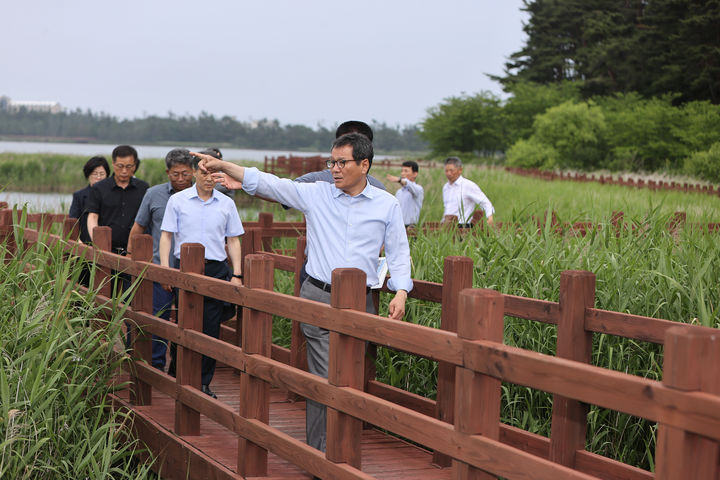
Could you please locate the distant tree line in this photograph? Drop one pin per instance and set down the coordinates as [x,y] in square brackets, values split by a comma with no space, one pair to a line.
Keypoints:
[203,129]
[621,85]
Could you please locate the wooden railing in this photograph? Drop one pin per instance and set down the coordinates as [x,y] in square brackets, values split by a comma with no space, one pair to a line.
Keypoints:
[669,185]
[463,425]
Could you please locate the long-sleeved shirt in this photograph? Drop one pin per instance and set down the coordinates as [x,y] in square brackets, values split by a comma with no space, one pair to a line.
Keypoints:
[410,197]
[461,197]
[343,231]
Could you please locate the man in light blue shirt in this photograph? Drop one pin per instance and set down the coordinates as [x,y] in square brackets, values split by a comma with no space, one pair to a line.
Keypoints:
[410,196]
[348,222]
[148,220]
[201,214]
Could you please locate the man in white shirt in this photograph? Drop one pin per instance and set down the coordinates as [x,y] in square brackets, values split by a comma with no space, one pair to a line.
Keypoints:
[461,195]
[410,196]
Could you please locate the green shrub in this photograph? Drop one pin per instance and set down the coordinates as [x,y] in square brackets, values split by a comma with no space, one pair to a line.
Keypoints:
[532,154]
[705,165]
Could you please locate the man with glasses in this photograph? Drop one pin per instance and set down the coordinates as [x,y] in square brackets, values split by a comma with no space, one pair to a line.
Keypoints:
[114,202]
[348,222]
[149,218]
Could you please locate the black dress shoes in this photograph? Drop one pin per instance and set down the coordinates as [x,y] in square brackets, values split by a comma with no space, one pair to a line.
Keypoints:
[206,390]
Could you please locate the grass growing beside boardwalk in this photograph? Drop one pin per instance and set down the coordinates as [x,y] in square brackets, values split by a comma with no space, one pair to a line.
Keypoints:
[55,377]
[646,270]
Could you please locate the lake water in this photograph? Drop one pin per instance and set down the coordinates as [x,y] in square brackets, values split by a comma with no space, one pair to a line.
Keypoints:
[58,202]
[38,202]
[149,151]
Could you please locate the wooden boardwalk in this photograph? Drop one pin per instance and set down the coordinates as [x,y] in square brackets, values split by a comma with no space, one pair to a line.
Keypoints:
[383,456]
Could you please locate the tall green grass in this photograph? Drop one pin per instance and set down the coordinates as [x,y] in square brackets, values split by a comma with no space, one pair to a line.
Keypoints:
[643,270]
[42,172]
[56,375]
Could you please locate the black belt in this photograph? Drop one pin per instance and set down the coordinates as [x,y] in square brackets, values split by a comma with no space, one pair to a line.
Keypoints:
[213,261]
[326,286]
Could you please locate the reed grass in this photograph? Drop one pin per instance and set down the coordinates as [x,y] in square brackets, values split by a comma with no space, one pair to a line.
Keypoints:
[55,420]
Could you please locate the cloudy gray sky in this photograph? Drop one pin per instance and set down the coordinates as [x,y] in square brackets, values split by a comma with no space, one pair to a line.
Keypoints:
[310,62]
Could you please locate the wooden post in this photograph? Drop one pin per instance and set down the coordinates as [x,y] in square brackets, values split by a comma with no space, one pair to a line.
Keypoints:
[345,368]
[141,392]
[569,417]
[477,396]
[457,276]
[71,229]
[102,240]
[190,317]
[256,340]
[298,353]
[692,360]
[265,220]
[677,221]
[6,233]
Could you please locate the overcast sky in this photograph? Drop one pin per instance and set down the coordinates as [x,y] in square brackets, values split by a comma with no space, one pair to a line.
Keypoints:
[298,61]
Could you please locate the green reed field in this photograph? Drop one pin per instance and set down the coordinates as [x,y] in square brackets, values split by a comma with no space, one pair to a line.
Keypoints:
[56,376]
[646,270]
[655,273]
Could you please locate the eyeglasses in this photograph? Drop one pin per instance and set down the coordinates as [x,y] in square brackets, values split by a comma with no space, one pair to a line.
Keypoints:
[340,163]
[99,174]
[176,175]
[119,166]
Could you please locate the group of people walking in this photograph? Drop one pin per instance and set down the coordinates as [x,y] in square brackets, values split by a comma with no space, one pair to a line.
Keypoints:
[349,215]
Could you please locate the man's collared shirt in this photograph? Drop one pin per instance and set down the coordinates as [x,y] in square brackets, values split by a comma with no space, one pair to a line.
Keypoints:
[116,206]
[343,231]
[151,213]
[193,220]
[471,195]
[410,197]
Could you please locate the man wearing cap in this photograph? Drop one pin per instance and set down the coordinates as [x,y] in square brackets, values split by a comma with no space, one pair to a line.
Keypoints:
[348,222]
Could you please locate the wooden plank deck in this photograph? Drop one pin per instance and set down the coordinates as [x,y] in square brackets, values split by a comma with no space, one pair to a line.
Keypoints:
[383,456]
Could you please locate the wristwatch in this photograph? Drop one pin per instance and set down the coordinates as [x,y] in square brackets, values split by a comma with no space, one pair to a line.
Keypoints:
[238,275]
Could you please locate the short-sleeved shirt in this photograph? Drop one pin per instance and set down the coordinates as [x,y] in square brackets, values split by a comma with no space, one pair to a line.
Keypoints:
[193,220]
[116,206]
[151,212]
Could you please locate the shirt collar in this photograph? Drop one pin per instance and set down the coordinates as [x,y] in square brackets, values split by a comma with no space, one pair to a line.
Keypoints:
[457,181]
[368,191]
[194,193]
[132,183]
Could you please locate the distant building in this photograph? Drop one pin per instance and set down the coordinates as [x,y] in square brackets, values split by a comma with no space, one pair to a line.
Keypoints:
[6,103]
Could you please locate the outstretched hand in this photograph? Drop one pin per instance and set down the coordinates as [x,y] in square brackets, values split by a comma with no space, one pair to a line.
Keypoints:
[208,163]
[226,181]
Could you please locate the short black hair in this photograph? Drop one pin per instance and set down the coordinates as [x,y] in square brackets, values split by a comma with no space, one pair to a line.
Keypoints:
[178,156]
[411,164]
[361,145]
[126,151]
[95,162]
[354,126]
[213,152]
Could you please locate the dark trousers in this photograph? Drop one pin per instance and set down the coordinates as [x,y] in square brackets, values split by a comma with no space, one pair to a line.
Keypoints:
[214,312]
[162,306]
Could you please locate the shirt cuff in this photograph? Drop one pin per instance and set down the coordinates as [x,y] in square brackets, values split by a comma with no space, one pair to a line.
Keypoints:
[250,180]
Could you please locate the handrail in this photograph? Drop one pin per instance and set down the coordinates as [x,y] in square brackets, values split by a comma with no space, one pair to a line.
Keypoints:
[683,401]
